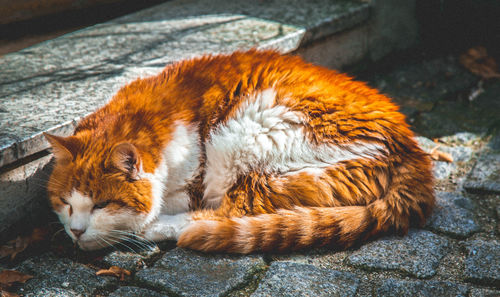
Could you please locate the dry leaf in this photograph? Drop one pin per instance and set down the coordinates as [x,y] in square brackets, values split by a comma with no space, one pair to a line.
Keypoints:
[477,61]
[8,294]
[440,156]
[9,277]
[15,246]
[114,271]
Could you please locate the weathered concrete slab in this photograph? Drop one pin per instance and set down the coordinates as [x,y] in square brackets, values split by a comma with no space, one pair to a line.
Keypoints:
[453,215]
[482,264]
[185,273]
[53,276]
[132,261]
[294,279]
[417,254]
[135,292]
[485,176]
[396,288]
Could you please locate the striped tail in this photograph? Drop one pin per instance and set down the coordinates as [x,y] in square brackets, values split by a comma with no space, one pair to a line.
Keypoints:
[301,227]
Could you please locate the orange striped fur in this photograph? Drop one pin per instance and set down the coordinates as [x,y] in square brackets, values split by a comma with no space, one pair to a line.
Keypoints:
[322,161]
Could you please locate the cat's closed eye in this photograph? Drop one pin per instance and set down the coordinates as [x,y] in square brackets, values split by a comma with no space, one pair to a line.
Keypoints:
[65,202]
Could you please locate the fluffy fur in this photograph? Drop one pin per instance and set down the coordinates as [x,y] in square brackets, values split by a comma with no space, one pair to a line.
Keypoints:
[252,151]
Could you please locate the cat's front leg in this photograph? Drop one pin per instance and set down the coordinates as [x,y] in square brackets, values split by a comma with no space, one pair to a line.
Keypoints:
[167,227]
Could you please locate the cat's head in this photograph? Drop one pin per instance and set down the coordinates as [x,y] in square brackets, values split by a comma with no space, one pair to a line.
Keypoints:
[98,190]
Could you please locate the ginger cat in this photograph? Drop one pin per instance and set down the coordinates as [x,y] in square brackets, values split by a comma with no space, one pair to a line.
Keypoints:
[240,153]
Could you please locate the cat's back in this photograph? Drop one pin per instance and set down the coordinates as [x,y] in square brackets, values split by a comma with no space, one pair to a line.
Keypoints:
[213,90]
[333,106]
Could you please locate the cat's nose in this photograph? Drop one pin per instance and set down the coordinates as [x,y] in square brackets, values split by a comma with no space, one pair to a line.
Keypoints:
[77,232]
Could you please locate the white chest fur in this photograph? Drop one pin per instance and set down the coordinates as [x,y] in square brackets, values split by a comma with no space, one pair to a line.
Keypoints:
[180,160]
[269,137]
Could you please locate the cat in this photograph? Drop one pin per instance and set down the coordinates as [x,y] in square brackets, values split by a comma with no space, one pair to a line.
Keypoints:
[252,151]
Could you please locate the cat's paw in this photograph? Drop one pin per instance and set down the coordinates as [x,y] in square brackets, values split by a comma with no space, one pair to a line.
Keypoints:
[160,232]
[167,227]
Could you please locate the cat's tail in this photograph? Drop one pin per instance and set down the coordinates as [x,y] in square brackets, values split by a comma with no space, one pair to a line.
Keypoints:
[301,227]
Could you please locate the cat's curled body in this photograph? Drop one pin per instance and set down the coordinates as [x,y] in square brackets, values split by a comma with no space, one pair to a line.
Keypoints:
[252,151]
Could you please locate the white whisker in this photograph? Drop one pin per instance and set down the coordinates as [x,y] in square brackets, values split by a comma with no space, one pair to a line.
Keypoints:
[57,232]
[134,239]
[115,241]
[107,242]
[136,243]
[137,237]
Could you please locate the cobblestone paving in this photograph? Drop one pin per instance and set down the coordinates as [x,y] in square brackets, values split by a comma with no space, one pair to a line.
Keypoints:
[456,254]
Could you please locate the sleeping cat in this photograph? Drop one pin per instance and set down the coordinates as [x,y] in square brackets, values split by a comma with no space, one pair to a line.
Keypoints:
[240,153]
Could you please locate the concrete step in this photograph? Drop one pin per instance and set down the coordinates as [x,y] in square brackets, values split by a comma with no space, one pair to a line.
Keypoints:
[50,86]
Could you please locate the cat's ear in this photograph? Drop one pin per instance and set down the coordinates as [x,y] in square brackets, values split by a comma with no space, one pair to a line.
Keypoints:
[64,148]
[125,157]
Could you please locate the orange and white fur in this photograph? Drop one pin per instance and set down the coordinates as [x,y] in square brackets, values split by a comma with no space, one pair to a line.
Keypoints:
[241,153]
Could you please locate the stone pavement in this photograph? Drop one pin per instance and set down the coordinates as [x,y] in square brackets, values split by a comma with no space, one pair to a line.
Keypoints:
[456,254]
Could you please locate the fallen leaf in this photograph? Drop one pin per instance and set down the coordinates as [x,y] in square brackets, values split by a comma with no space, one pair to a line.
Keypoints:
[8,294]
[477,61]
[9,277]
[438,155]
[114,271]
[15,246]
